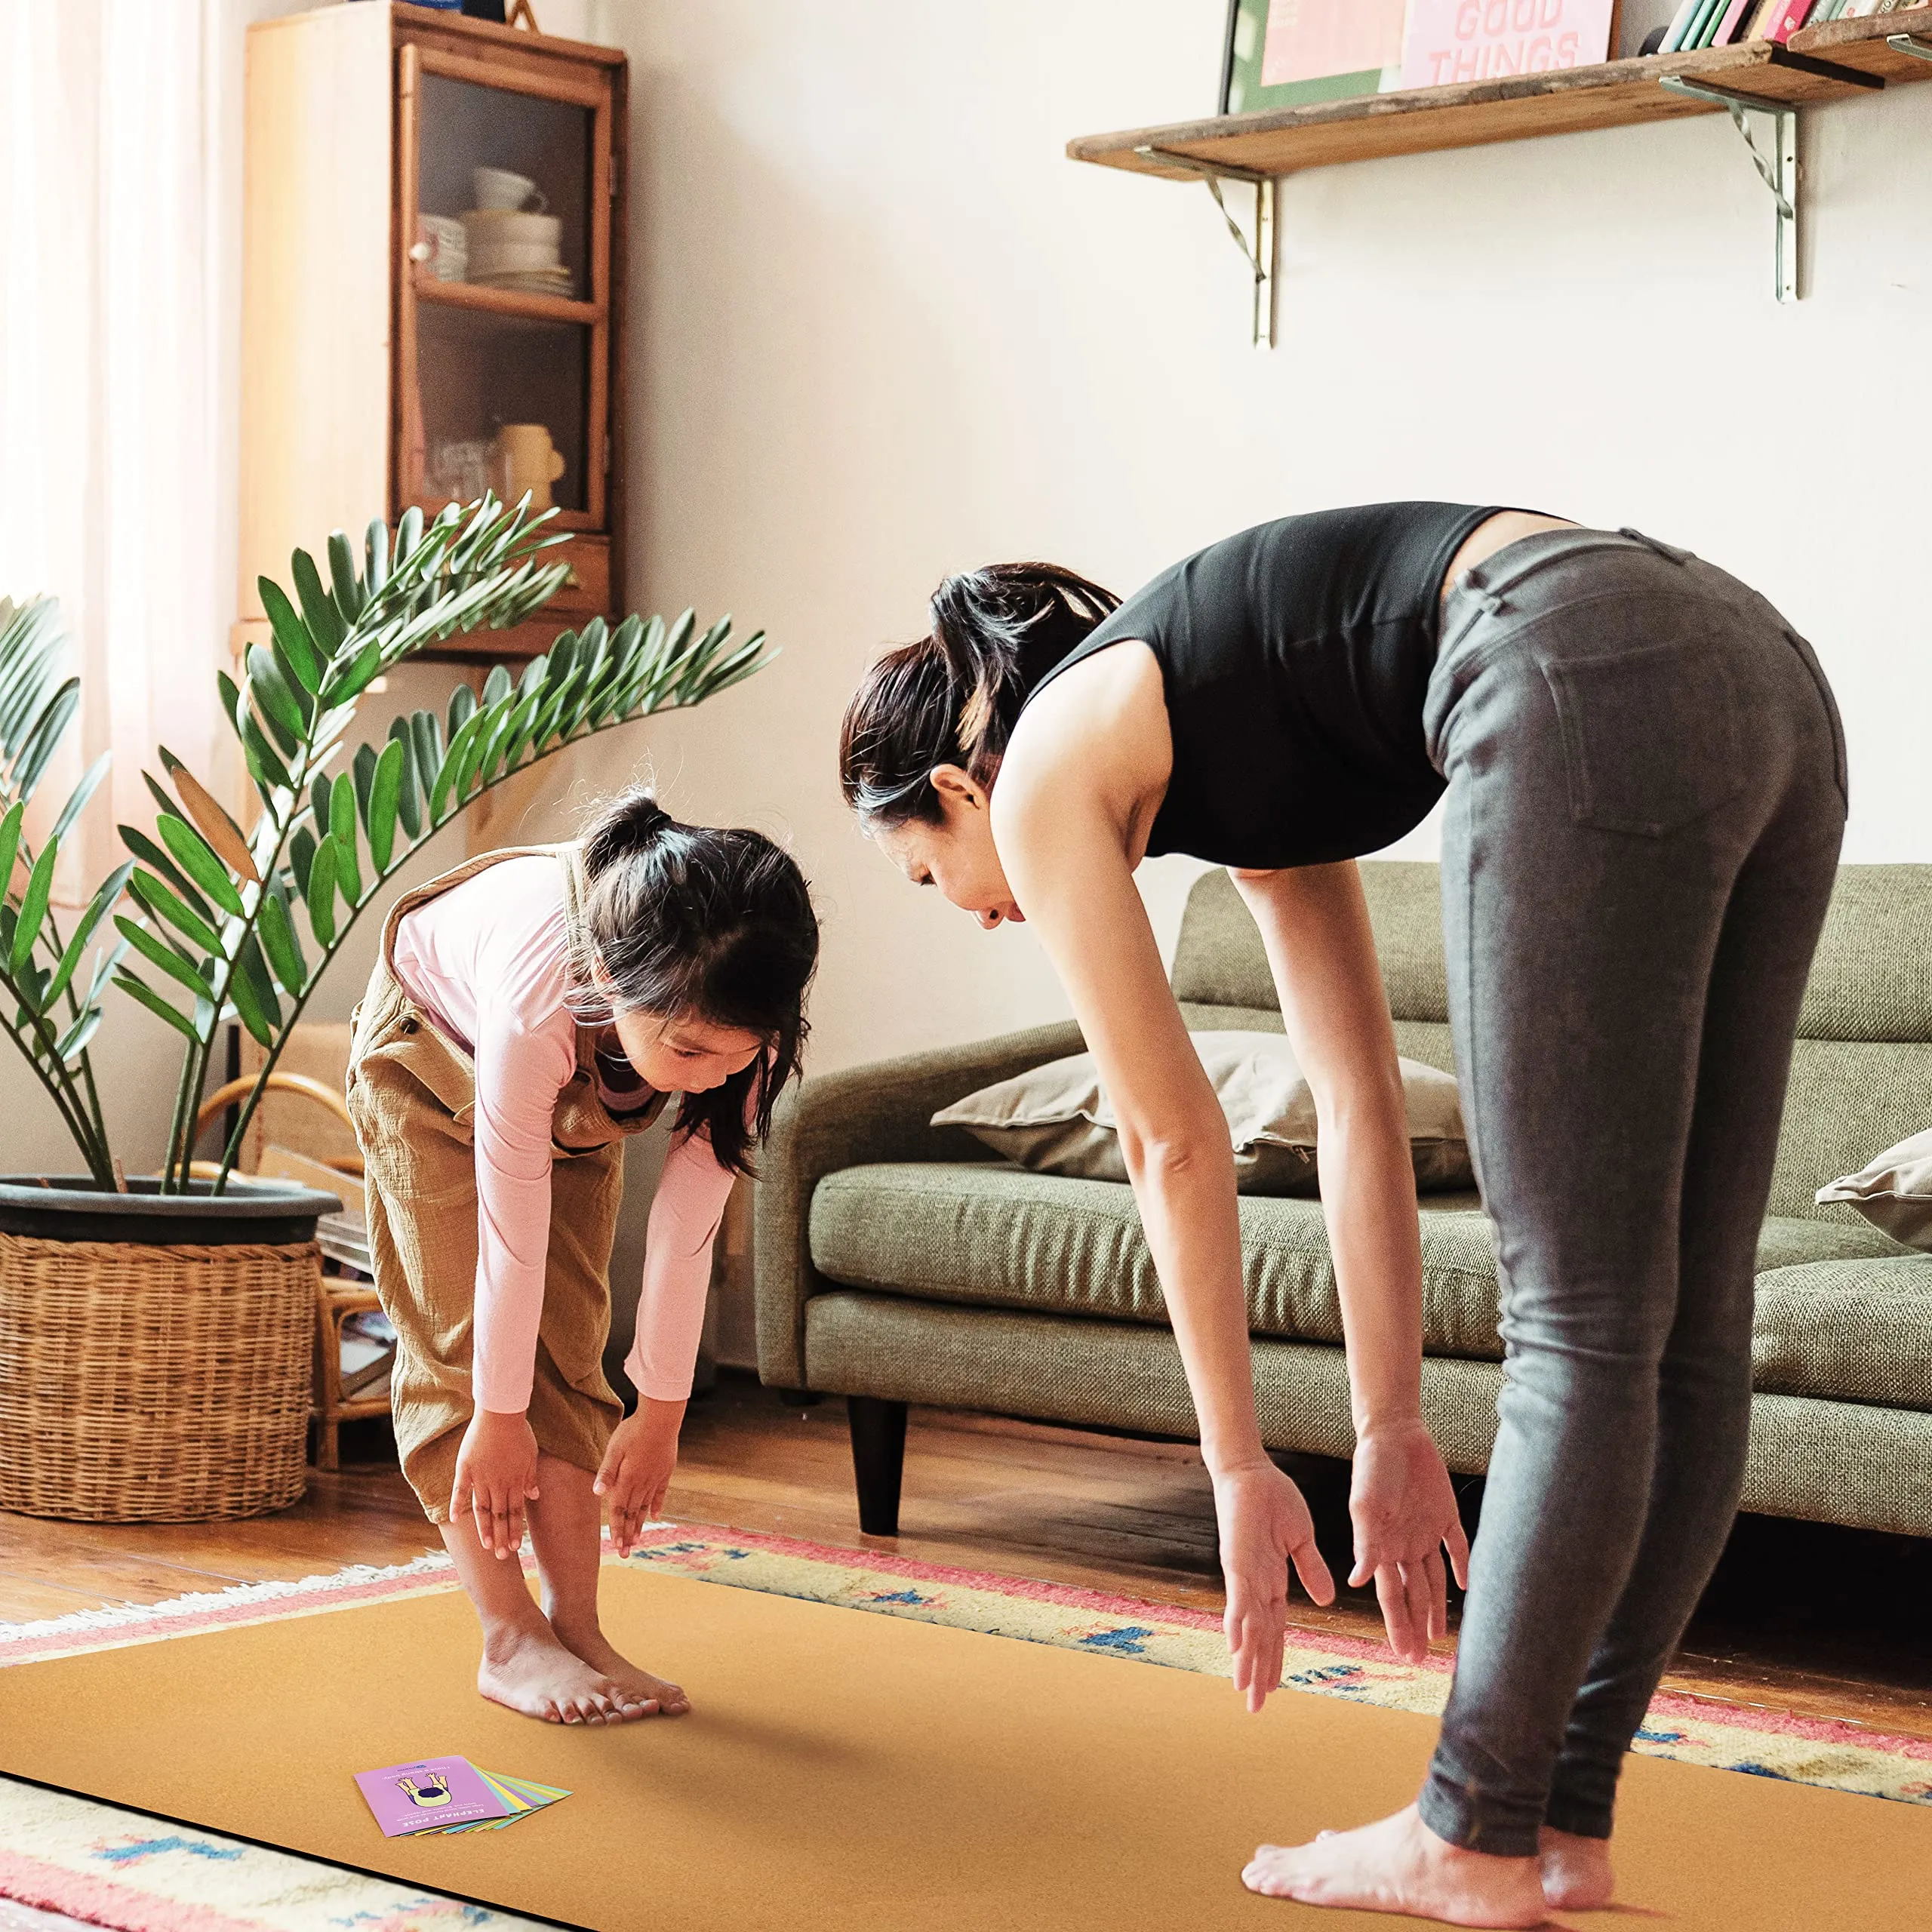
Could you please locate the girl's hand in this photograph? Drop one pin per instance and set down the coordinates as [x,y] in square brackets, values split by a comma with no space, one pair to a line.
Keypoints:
[1404,1510]
[1265,1526]
[637,1469]
[496,1475]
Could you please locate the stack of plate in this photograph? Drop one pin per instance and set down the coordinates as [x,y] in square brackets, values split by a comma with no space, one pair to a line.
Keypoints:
[509,249]
[532,281]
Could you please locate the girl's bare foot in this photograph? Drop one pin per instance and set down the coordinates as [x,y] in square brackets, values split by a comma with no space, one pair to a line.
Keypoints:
[531,1671]
[1401,1866]
[1576,1876]
[590,1643]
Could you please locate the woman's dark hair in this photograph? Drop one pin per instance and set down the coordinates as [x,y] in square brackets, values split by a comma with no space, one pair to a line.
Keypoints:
[716,923]
[954,697]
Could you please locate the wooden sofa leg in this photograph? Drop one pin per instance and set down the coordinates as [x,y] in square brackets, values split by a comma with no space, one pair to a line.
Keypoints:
[878,1458]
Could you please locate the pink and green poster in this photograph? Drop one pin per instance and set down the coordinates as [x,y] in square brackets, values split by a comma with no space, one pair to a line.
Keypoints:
[1309,40]
[1452,41]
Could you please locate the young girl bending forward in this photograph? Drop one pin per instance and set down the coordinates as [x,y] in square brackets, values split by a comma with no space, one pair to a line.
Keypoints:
[530,1010]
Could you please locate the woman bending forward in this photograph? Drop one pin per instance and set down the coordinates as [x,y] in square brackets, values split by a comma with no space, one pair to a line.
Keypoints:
[1645,785]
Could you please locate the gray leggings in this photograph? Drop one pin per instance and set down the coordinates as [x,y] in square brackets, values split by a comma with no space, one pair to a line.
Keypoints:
[1646,798]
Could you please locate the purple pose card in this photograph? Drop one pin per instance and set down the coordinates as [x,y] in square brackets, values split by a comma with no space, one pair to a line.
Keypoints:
[429,1796]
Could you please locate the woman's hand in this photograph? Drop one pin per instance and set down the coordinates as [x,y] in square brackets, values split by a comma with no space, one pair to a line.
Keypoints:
[496,1475]
[1404,1506]
[1265,1526]
[637,1469]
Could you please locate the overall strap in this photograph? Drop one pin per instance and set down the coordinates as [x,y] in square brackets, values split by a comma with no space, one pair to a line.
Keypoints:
[456,875]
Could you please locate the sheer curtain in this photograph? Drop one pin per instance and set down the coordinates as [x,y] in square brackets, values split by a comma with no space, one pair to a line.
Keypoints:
[116,145]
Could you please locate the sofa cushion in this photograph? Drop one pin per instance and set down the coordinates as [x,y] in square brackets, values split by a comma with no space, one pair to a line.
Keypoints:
[1002,1237]
[1861,1076]
[1854,1332]
[989,1233]
[1894,1192]
[1787,1241]
[1219,960]
[1058,1118]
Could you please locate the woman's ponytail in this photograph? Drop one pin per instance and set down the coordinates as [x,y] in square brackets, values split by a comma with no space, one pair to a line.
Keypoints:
[954,697]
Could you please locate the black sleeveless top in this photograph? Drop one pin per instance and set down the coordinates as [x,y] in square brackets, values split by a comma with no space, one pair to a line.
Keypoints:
[1295,658]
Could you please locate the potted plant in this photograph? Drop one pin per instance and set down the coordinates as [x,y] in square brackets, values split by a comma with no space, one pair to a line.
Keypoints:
[155,1333]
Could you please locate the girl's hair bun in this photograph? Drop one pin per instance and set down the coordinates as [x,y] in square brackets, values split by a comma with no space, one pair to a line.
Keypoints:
[628,826]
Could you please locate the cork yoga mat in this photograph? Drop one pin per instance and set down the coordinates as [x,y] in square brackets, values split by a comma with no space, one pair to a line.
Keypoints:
[842,1771]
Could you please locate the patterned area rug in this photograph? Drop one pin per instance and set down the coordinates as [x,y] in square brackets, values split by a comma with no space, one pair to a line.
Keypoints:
[119,1869]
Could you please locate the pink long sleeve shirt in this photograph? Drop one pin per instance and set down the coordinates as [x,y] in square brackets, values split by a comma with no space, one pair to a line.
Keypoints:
[486,960]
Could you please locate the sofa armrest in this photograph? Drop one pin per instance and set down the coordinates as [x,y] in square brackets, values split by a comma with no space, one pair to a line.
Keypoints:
[881,1111]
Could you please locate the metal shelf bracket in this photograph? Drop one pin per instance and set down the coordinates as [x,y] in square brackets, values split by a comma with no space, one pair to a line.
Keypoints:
[1778,170]
[1909,43]
[1256,243]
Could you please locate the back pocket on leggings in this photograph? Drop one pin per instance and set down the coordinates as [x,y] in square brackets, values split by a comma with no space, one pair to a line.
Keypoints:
[1650,736]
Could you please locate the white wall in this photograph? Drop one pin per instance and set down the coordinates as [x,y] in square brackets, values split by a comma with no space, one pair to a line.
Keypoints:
[885,329]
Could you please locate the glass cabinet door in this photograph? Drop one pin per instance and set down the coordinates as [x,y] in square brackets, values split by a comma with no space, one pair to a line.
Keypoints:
[502,308]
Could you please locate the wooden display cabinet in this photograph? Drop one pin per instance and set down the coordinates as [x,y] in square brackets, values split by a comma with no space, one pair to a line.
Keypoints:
[380,366]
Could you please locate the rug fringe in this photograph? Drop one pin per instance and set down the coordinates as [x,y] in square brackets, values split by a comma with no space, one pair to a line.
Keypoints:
[202,1603]
[430,1563]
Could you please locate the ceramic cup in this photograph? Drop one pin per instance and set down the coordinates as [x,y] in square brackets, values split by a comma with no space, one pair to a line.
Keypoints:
[522,458]
[498,188]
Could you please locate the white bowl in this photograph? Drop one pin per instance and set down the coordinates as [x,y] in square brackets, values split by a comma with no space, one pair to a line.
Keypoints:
[511,261]
[493,225]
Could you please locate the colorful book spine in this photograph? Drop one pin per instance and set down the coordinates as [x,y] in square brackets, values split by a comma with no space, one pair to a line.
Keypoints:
[1704,30]
[1680,25]
[1732,19]
[1784,20]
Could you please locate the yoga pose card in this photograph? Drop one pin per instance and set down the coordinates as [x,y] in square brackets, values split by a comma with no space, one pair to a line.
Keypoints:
[450,1795]
[523,1796]
[430,1796]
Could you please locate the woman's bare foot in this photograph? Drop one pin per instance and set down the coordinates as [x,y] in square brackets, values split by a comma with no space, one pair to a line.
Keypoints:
[1401,1866]
[532,1672]
[1576,1876]
[590,1643]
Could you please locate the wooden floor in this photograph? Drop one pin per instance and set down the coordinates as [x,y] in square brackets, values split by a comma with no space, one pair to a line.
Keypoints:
[1802,1617]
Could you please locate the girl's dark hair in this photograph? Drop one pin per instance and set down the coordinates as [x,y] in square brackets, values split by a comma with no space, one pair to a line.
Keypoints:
[954,697]
[714,922]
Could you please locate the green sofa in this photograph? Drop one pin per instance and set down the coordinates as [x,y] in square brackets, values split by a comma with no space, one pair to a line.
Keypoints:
[898,1263]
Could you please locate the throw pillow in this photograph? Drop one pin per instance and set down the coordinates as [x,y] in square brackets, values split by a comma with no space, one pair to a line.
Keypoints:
[1894,1193]
[1057,1119]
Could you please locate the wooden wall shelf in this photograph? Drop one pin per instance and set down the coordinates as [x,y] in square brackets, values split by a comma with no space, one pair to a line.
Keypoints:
[1844,60]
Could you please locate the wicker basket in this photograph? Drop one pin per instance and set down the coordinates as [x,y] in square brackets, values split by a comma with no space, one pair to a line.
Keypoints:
[143,1383]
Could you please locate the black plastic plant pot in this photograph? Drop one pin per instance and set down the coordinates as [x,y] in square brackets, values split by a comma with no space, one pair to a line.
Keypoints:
[70,1208]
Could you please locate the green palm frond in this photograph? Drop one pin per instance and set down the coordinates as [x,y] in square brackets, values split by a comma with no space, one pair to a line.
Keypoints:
[242,926]
[53,1015]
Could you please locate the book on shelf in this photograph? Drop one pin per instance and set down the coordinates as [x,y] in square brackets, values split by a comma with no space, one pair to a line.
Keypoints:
[1704,26]
[344,1240]
[1781,20]
[1731,20]
[1688,11]
[368,1355]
